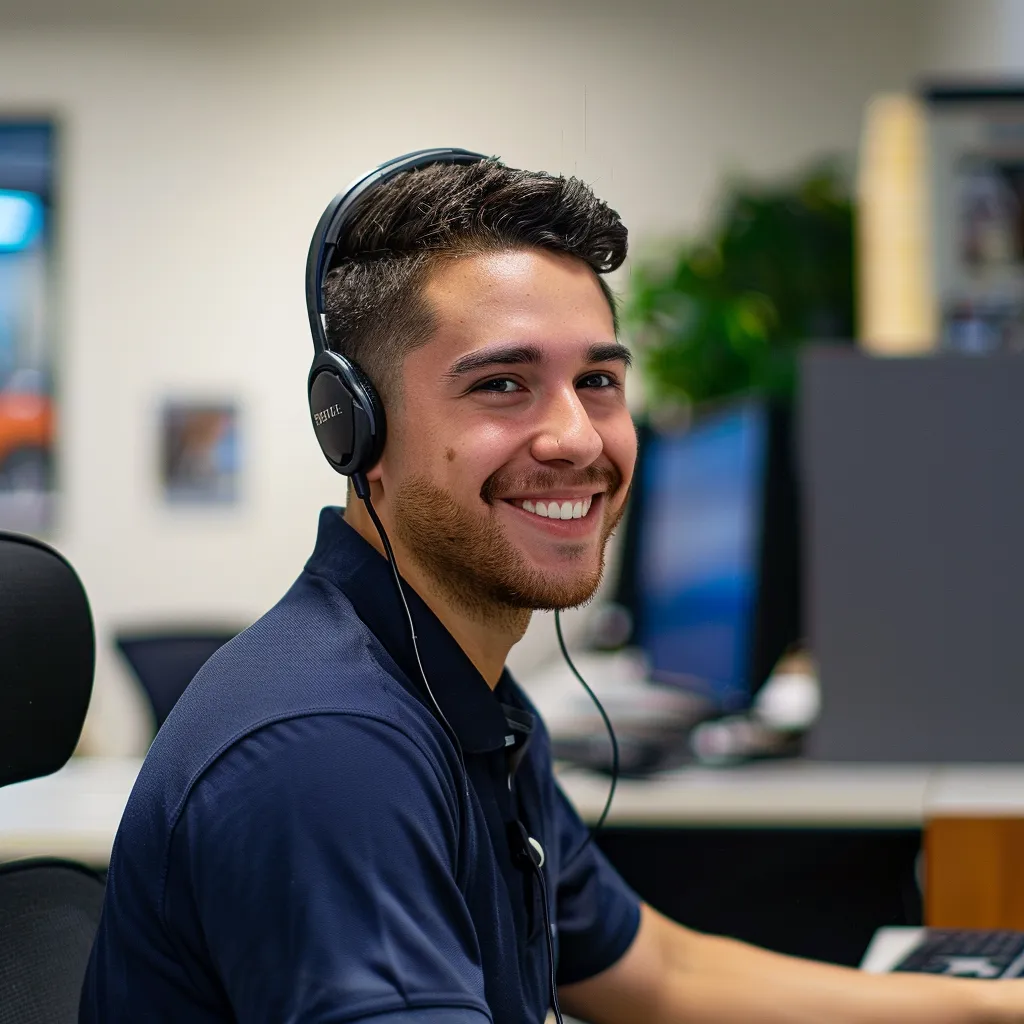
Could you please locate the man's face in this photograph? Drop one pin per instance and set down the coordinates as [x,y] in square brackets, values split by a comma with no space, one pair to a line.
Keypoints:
[515,408]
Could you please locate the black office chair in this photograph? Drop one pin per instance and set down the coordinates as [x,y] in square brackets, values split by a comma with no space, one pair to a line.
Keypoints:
[165,661]
[49,909]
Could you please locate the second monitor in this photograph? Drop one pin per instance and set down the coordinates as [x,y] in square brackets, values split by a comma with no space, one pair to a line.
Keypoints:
[711,553]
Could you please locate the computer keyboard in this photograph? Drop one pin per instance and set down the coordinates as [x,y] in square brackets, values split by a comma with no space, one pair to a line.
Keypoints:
[967,952]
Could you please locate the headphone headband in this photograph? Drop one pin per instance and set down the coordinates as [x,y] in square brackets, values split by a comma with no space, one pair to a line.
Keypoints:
[345,409]
[339,214]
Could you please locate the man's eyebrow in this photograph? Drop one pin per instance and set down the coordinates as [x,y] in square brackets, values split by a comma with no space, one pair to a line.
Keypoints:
[504,355]
[609,353]
[512,355]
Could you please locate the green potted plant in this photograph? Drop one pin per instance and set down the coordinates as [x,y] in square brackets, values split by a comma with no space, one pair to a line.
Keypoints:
[725,315]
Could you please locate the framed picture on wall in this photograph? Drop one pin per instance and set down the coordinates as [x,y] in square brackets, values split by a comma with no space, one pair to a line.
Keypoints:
[199,453]
[976,179]
[27,304]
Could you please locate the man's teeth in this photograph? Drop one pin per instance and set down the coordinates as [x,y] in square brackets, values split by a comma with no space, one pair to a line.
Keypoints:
[559,509]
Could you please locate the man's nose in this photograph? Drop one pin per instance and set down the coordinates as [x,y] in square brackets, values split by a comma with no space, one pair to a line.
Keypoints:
[566,432]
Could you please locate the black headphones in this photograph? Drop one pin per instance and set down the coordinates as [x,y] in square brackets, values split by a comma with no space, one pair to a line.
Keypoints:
[346,411]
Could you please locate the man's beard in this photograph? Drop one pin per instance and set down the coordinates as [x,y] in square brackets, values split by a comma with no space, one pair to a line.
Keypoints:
[474,562]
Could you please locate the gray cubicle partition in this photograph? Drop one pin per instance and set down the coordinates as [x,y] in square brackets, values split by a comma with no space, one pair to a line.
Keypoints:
[913,476]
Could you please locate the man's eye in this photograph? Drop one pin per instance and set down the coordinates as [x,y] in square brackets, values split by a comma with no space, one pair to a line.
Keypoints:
[598,380]
[498,386]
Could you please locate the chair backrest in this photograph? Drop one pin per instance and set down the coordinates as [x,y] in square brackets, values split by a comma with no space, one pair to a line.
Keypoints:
[164,661]
[47,658]
[49,909]
[49,912]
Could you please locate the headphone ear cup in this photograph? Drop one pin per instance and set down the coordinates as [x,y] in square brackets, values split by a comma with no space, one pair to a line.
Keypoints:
[375,445]
[347,414]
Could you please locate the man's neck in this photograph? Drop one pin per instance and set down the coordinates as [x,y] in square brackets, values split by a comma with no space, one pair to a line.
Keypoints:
[485,639]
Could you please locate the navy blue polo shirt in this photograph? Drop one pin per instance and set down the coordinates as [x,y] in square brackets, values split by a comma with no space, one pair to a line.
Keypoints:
[302,846]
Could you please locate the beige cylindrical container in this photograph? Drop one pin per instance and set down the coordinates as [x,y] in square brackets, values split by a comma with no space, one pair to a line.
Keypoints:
[897,308]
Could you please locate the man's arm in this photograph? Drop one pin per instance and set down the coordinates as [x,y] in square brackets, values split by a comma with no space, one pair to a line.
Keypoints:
[672,975]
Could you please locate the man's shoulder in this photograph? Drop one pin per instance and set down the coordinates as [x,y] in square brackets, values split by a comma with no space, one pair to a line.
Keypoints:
[310,657]
[310,654]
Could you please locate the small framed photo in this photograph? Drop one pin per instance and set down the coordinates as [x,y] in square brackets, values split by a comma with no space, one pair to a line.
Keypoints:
[199,457]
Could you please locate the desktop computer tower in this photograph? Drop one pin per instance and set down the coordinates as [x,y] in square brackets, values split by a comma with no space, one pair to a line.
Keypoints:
[913,484]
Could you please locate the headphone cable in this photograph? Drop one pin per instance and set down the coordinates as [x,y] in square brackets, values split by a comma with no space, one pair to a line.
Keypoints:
[552,972]
[607,725]
[362,489]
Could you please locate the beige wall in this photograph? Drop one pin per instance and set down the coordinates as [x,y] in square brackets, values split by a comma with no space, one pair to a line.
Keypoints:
[976,37]
[201,143]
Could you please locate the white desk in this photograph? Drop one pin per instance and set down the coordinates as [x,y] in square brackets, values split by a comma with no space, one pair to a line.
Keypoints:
[75,812]
[766,794]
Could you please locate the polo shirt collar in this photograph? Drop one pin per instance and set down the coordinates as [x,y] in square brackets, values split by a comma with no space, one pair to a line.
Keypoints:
[353,565]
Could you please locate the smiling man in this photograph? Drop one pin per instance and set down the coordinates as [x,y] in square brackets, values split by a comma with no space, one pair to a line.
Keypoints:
[309,841]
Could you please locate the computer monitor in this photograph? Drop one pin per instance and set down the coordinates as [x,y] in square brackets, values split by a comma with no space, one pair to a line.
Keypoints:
[711,552]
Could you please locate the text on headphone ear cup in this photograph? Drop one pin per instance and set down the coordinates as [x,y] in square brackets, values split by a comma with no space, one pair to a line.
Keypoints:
[347,414]
[330,406]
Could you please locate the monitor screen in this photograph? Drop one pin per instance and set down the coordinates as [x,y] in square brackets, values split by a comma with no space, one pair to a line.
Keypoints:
[698,551]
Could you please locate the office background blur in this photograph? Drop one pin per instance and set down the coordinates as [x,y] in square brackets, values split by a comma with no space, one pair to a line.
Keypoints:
[199,141]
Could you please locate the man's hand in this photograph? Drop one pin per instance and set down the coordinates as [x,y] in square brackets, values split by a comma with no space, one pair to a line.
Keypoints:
[1002,1000]
[672,975]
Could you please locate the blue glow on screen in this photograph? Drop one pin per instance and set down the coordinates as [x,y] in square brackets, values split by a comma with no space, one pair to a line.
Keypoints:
[21,219]
[699,551]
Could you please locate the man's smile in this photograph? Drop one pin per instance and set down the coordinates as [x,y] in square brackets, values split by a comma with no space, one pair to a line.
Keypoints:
[554,509]
[571,507]
[571,515]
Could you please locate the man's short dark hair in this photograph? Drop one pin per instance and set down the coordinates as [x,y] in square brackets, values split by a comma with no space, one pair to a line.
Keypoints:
[375,308]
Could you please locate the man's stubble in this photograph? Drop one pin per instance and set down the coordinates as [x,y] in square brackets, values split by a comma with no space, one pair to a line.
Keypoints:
[472,560]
